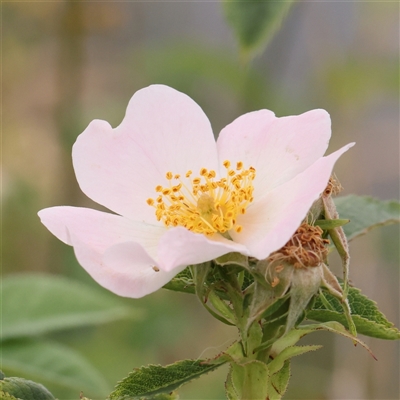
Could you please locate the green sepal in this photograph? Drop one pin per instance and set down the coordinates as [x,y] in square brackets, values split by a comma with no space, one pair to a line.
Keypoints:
[24,389]
[147,382]
[305,284]
[279,382]
[366,213]
[183,282]
[250,379]
[247,378]
[230,390]
[326,224]
[279,361]
[365,314]
[221,307]
[233,259]
[265,296]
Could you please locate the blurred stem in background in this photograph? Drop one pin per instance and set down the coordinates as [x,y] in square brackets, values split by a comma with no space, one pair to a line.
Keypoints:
[70,34]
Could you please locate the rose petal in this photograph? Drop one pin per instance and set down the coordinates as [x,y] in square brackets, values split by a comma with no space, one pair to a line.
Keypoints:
[278,148]
[269,223]
[125,269]
[163,130]
[180,247]
[100,230]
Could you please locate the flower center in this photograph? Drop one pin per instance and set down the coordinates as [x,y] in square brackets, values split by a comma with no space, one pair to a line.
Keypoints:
[207,205]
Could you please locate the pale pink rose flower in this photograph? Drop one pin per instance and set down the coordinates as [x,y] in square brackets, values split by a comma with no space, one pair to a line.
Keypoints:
[165,133]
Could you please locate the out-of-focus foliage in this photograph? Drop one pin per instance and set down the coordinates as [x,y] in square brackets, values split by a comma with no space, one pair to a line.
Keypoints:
[37,304]
[366,213]
[57,366]
[203,69]
[34,305]
[255,22]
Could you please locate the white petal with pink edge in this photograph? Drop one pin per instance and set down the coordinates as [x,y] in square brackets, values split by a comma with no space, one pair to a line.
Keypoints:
[269,223]
[125,268]
[163,130]
[99,229]
[278,148]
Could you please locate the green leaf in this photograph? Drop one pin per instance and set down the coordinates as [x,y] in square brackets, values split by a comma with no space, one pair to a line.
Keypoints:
[255,22]
[279,382]
[24,389]
[233,259]
[368,319]
[183,282]
[36,304]
[7,396]
[279,361]
[366,213]
[146,382]
[52,363]
[287,341]
[334,327]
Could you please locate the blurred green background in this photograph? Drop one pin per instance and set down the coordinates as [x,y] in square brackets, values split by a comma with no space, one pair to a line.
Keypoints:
[66,63]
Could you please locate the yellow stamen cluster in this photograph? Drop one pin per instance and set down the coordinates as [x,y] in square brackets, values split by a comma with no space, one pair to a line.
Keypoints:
[208,205]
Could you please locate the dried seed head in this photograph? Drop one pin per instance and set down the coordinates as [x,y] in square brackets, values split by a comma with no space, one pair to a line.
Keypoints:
[306,248]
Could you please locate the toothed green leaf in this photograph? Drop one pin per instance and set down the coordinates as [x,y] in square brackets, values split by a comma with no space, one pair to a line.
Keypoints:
[368,319]
[24,389]
[147,382]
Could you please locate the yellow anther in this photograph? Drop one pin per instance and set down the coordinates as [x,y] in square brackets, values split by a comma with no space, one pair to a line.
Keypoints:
[208,205]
